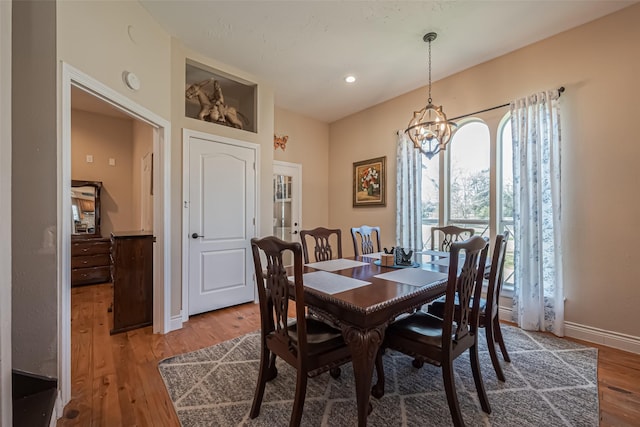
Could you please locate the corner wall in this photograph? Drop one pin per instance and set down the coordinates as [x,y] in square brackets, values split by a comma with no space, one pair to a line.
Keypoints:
[34,188]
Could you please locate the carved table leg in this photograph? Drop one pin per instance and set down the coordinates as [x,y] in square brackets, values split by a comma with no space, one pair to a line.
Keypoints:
[364,345]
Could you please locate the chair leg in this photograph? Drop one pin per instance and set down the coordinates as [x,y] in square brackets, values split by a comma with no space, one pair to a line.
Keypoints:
[450,390]
[263,377]
[272,371]
[377,390]
[491,345]
[500,340]
[477,379]
[298,402]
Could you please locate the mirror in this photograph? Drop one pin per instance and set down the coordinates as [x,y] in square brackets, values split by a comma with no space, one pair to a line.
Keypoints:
[85,208]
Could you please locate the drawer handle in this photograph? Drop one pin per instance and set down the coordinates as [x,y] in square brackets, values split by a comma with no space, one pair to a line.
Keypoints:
[85,250]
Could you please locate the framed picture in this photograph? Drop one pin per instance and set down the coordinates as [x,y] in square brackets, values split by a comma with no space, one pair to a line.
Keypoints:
[369,182]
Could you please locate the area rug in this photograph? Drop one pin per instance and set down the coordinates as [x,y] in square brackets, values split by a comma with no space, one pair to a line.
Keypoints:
[550,382]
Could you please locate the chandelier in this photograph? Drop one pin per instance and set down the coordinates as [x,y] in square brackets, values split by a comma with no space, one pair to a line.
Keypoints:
[429,129]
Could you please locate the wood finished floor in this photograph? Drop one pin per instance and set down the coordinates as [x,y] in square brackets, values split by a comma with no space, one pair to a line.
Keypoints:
[115,379]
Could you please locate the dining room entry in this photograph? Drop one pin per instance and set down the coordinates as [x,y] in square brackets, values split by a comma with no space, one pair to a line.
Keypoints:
[220,196]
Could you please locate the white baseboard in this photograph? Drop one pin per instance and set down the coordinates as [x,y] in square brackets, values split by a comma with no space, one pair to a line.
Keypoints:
[175,322]
[58,410]
[588,333]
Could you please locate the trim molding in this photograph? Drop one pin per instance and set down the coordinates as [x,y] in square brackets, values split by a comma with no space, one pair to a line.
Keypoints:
[611,339]
[58,410]
[176,322]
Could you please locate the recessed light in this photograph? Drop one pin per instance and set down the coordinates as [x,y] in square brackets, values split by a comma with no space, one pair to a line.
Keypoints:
[350,79]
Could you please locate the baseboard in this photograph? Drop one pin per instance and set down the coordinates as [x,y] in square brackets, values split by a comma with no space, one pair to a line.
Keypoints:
[58,410]
[611,339]
[175,323]
[600,336]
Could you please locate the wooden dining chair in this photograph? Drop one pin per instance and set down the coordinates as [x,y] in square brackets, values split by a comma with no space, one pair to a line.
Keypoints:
[323,238]
[308,344]
[447,235]
[366,241]
[440,340]
[489,310]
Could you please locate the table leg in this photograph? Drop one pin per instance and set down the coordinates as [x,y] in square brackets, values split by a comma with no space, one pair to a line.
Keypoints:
[364,345]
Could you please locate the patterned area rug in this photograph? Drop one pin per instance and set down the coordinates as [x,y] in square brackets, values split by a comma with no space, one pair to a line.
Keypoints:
[550,382]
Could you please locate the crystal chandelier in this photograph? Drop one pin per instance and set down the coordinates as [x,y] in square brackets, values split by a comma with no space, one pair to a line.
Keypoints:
[429,128]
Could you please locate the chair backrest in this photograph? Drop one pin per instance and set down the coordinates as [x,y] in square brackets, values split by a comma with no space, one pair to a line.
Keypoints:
[274,293]
[465,283]
[496,275]
[447,235]
[322,249]
[366,240]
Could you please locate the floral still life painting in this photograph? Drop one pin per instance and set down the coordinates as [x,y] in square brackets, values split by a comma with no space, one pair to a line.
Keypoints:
[369,182]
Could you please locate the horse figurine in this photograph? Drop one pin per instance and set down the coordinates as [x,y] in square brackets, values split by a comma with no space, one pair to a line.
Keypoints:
[213,109]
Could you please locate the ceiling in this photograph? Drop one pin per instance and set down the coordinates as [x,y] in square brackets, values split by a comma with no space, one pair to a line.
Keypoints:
[305,48]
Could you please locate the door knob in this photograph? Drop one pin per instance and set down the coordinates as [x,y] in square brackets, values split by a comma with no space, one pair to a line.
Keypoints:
[195,235]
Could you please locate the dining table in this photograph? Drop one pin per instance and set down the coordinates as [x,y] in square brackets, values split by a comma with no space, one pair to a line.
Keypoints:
[362,297]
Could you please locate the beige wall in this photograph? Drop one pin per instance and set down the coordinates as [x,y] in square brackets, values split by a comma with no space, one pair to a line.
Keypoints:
[142,139]
[308,144]
[104,138]
[599,157]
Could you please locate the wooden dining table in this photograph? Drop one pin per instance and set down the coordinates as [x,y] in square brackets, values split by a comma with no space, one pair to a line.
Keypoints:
[362,298]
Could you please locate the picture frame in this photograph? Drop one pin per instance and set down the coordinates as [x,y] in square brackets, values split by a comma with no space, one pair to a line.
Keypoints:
[369,182]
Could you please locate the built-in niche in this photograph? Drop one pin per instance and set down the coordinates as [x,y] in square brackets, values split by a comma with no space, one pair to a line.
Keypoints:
[217,97]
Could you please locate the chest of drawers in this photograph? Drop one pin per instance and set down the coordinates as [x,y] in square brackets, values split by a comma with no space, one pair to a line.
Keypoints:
[90,262]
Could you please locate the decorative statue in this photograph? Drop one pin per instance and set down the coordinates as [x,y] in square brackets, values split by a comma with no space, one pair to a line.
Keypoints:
[402,257]
[213,108]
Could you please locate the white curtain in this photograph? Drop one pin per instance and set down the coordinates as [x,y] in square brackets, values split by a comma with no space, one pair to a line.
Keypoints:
[539,296]
[408,195]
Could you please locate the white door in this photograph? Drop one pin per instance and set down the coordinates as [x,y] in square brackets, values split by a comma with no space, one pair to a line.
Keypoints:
[146,192]
[222,211]
[287,203]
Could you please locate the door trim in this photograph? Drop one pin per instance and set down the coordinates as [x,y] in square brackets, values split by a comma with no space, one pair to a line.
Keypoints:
[161,205]
[186,135]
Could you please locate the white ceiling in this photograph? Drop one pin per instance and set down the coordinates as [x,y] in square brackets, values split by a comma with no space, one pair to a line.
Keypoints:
[305,48]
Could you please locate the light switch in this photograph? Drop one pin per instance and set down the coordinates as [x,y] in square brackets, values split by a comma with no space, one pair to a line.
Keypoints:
[112,161]
[89,158]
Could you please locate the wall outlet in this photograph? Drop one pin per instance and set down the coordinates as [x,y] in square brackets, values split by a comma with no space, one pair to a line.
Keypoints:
[112,162]
[89,158]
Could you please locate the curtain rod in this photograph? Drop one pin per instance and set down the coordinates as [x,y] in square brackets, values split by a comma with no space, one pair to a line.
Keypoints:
[560,90]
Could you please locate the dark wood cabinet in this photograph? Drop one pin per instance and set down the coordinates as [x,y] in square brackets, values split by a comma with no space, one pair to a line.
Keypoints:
[90,262]
[132,272]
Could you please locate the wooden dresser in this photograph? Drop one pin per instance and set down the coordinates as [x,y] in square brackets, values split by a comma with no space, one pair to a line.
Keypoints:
[132,272]
[90,262]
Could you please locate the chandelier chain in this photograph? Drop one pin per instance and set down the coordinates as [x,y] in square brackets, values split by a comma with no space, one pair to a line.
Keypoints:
[429,72]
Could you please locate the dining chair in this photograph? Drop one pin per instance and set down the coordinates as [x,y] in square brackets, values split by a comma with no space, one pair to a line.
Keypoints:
[366,245]
[489,310]
[323,238]
[308,344]
[447,235]
[440,340]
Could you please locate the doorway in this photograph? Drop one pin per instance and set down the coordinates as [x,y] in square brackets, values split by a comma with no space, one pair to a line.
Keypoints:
[161,219]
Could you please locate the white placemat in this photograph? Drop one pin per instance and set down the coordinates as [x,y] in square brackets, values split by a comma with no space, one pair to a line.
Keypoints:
[375,255]
[413,276]
[436,253]
[336,264]
[330,283]
[441,261]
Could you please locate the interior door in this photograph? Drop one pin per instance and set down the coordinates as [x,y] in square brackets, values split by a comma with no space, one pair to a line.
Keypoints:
[287,203]
[222,211]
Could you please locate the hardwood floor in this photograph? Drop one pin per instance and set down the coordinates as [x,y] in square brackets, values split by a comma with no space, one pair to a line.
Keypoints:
[115,379]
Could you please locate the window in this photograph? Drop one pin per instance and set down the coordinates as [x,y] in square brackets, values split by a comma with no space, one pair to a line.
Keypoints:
[465,200]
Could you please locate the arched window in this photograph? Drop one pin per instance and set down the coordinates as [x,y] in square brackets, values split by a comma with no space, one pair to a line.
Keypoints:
[505,193]
[469,186]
